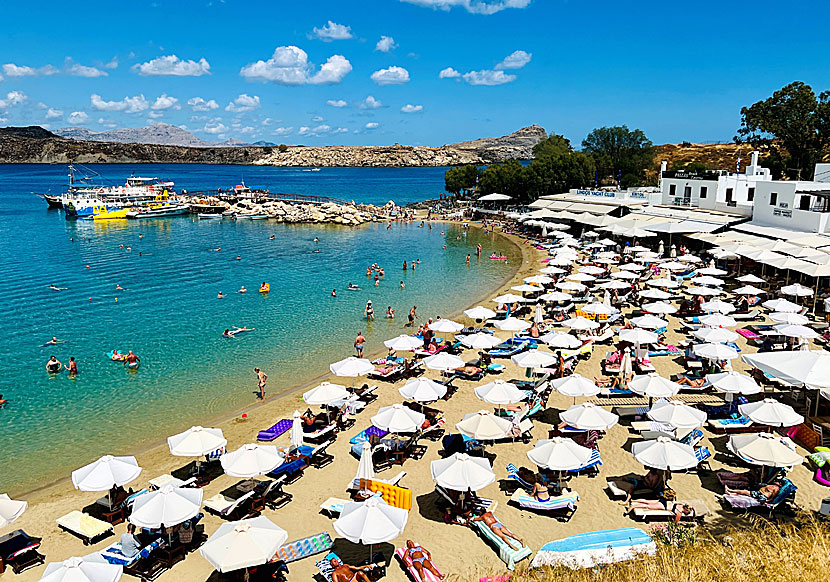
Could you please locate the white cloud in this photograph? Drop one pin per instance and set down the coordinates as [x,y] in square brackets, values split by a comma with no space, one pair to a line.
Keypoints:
[391,76]
[243,103]
[155,114]
[199,104]
[79,70]
[473,6]
[336,103]
[372,125]
[289,66]
[5,119]
[13,70]
[13,98]
[54,113]
[333,31]
[127,104]
[113,64]
[247,130]
[488,78]
[408,108]
[215,126]
[320,130]
[317,119]
[107,122]
[448,73]
[283,131]
[385,44]
[78,117]
[370,103]
[515,60]
[48,70]
[171,65]
[165,102]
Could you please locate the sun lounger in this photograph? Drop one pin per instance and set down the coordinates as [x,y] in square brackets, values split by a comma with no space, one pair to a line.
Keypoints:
[785,497]
[225,507]
[730,425]
[619,489]
[406,563]
[320,433]
[333,506]
[319,458]
[630,411]
[590,549]
[377,566]
[594,461]
[20,551]
[508,553]
[580,352]
[364,435]
[699,507]
[114,555]
[512,347]
[84,526]
[303,548]
[387,373]
[647,426]
[565,503]
[270,434]
[513,474]
[748,316]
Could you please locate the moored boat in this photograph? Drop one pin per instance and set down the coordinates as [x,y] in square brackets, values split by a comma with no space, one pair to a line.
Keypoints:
[203,216]
[157,211]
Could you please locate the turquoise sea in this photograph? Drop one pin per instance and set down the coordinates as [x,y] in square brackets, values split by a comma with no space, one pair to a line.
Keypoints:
[169,313]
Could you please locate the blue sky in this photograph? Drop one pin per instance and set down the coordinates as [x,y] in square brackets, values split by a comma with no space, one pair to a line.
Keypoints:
[370,72]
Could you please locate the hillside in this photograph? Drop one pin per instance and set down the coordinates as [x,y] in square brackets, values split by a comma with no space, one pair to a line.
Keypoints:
[720,156]
[158,134]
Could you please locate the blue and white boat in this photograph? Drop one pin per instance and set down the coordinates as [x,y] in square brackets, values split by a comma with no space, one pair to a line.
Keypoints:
[589,549]
[85,201]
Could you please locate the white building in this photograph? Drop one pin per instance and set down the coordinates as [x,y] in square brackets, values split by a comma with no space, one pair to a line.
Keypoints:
[798,205]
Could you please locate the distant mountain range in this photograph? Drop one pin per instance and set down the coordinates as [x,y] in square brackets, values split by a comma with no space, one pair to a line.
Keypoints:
[156,134]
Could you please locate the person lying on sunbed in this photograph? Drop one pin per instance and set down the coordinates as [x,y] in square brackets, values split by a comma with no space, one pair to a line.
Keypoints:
[421,560]
[498,528]
[693,382]
[469,371]
[763,494]
[680,510]
[346,573]
[312,423]
[654,480]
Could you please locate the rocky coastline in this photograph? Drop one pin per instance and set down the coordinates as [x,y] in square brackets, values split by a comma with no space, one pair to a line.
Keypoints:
[328,213]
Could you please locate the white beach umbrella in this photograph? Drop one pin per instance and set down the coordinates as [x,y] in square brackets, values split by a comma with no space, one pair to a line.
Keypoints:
[571,286]
[615,284]
[551,270]
[674,266]
[715,335]
[559,454]
[296,436]
[600,309]
[404,343]
[166,507]
[628,275]
[717,320]
[664,282]
[771,412]
[807,368]
[371,522]
[527,288]
[461,472]
[626,366]
[660,307]
[750,278]
[479,312]
[251,460]
[499,392]
[636,267]
[639,249]
[423,390]
[534,359]
[325,394]
[794,330]
[558,339]
[732,382]
[352,367]
[581,277]
[82,570]
[764,449]
[748,290]
[653,386]
[445,326]
[677,414]
[365,467]
[443,361]
[664,453]
[105,473]
[10,509]
[789,318]
[711,271]
[649,321]
[588,416]
[539,280]
[512,324]
[655,294]
[398,419]
[797,290]
[575,385]
[562,261]
[708,280]
[717,306]
[638,336]
[555,296]
[580,323]
[782,305]
[243,544]
[703,291]
[480,341]
[484,425]
[715,351]
[509,298]
[687,258]
[196,441]
[591,270]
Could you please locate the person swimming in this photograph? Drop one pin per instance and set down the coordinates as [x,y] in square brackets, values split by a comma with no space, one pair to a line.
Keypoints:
[72,368]
[55,288]
[53,342]
[53,366]
[242,289]
[236,329]
[353,287]
[272,237]
[220,295]
[334,292]
[118,287]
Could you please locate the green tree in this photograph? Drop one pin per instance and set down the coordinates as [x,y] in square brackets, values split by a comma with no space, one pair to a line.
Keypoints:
[618,149]
[793,126]
[507,178]
[558,173]
[553,144]
[460,178]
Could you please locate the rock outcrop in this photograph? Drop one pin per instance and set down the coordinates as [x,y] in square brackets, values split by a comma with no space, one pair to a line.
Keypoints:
[345,214]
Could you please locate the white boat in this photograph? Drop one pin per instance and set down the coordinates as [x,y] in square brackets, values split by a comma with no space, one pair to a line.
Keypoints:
[203,216]
[252,216]
[88,201]
[157,211]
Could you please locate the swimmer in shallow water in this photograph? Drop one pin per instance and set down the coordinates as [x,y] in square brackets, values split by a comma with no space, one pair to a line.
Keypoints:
[242,289]
[353,287]
[220,295]
[334,292]
[72,368]
[53,342]
[272,237]
[53,366]
[54,288]
[118,287]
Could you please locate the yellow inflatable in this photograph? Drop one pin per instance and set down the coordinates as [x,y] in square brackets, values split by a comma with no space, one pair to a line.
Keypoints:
[392,494]
[265,288]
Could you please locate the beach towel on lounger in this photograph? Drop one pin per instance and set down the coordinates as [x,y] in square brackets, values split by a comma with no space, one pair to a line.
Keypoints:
[114,554]
[507,553]
[406,561]
[565,501]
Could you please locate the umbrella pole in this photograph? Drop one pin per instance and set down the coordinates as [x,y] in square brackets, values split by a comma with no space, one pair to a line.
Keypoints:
[815,297]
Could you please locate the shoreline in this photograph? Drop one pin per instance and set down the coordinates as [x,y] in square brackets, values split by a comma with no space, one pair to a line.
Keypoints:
[233,416]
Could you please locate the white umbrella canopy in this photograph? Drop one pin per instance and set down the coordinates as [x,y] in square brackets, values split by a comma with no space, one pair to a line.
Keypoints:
[717,320]
[445,326]
[689,258]
[660,307]
[404,343]
[575,385]
[655,294]
[715,351]
[810,369]
[371,522]
[600,309]
[166,507]
[653,386]
[704,291]
[243,544]
[325,393]
[677,414]
[636,267]
[626,367]
[664,282]
[789,318]
[571,286]
[580,323]
[794,330]
[711,271]
[782,305]
[715,335]
[499,392]
[251,460]
[196,441]
[423,390]
[615,284]
[732,382]
[591,270]
[649,322]
[484,425]
[639,249]
[674,266]
[398,419]
[461,472]
[764,449]
[797,290]
[479,312]
[512,324]
[509,298]
[718,306]
[562,261]
[561,340]
[10,509]
[527,288]
[480,341]
[664,454]
[638,336]
[443,361]
[534,359]
[82,570]
[708,280]
[352,367]
[588,416]
[559,454]
[750,278]
[556,296]
[296,436]
[624,275]
[365,467]
[771,412]
[105,473]
[552,270]
[539,280]
[748,290]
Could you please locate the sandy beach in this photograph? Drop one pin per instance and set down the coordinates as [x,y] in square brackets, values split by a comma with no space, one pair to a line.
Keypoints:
[456,550]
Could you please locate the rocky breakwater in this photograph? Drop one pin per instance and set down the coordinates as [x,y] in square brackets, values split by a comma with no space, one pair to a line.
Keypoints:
[328,213]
